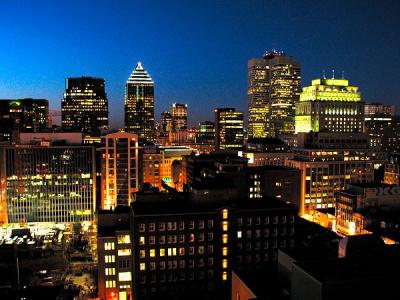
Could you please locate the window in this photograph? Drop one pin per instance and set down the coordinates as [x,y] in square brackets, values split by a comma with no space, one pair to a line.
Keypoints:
[124,252]
[152,266]
[162,252]
[123,263]
[152,240]
[248,221]
[224,276]
[182,264]
[109,258]
[239,234]
[224,214]
[162,239]
[266,220]
[210,224]
[161,226]
[152,227]
[124,276]
[258,221]
[283,219]
[181,225]
[109,271]
[201,237]
[181,238]
[181,251]
[110,284]
[201,249]
[239,222]
[141,240]
[225,226]
[210,236]
[210,249]
[201,224]
[225,251]
[248,234]
[124,239]
[109,246]
[142,253]
[201,262]
[191,238]
[210,261]
[224,238]
[191,250]
[191,225]
[142,227]
[142,266]
[152,252]
[224,263]
[162,265]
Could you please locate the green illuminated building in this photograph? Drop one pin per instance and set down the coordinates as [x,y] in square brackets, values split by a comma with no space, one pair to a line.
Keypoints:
[330,105]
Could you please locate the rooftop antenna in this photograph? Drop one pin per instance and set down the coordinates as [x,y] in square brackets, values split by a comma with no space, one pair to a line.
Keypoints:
[333,73]
[323,74]
[342,74]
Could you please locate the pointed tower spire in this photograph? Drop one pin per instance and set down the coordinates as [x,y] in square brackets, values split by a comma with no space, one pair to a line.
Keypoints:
[140,75]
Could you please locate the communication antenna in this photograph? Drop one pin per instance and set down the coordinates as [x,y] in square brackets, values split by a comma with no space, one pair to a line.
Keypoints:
[323,74]
[333,73]
[342,74]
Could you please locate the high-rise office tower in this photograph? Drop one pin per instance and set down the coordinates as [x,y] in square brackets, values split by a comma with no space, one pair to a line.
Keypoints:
[27,115]
[46,180]
[379,123]
[120,169]
[179,116]
[139,104]
[206,133]
[84,107]
[274,85]
[228,129]
[330,105]
[166,122]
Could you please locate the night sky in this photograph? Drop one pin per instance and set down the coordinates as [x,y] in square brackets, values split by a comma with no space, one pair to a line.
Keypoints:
[196,51]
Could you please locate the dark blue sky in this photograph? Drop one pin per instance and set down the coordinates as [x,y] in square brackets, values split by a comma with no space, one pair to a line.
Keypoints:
[196,51]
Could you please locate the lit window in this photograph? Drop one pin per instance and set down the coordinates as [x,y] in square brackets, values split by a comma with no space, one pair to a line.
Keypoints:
[124,276]
[162,252]
[142,266]
[142,253]
[110,284]
[109,258]
[181,251]
[124,239]
[124,252]
[225,226]
[109,246]
[224,263]
[152,252]
[141,240]
[225,251]
[239,234]
[224,275]
[224,238]
[224,214]
[109,271]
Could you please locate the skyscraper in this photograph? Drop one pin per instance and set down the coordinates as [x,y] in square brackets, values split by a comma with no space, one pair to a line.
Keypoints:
[274,85]
[330,105]
[84,107]
[120,169]
[179,116]
[228,129]
[139,104]
[166,122]
[28,115]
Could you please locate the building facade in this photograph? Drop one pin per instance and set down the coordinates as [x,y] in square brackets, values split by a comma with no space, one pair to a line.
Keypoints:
[229,130]
[47,183]
[179,250]
[26,115]
[330,105]
[274,85]
[84,107]
[120,169]
[330,160]
[139,104]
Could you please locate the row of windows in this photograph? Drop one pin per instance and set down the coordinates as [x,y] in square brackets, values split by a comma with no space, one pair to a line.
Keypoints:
[173,239]
[266,232]
[265,244]
[175,276]
[163,252]
[174,264]
[171,226]
[249,221]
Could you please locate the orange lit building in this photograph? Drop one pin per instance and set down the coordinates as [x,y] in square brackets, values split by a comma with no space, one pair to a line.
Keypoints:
[151,166]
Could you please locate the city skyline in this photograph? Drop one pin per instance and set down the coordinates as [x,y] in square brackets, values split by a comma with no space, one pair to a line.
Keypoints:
[172,53]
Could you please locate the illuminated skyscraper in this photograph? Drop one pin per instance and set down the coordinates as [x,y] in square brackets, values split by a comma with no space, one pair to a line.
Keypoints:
[179,116]
[120,169]
[139,104]
[27,115]
[206,133]
[166,122]
[330,105]
[84,107]
[228,129]
[273,90]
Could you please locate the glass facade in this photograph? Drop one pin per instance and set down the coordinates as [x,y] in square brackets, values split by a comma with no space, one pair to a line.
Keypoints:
[139,104]
[48,184]
[84,107]
[228,129]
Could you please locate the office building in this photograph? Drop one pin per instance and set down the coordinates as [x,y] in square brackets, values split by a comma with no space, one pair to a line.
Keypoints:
[48,179]
[166,122]
[330,160]
[24,115]
[120,169]
[330,105]
[139,104]
[206,134]
[228,129]
[392,170]
[274,85]
[378,122]
[177,249]
[84,107]
[179,116]
[152,165]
